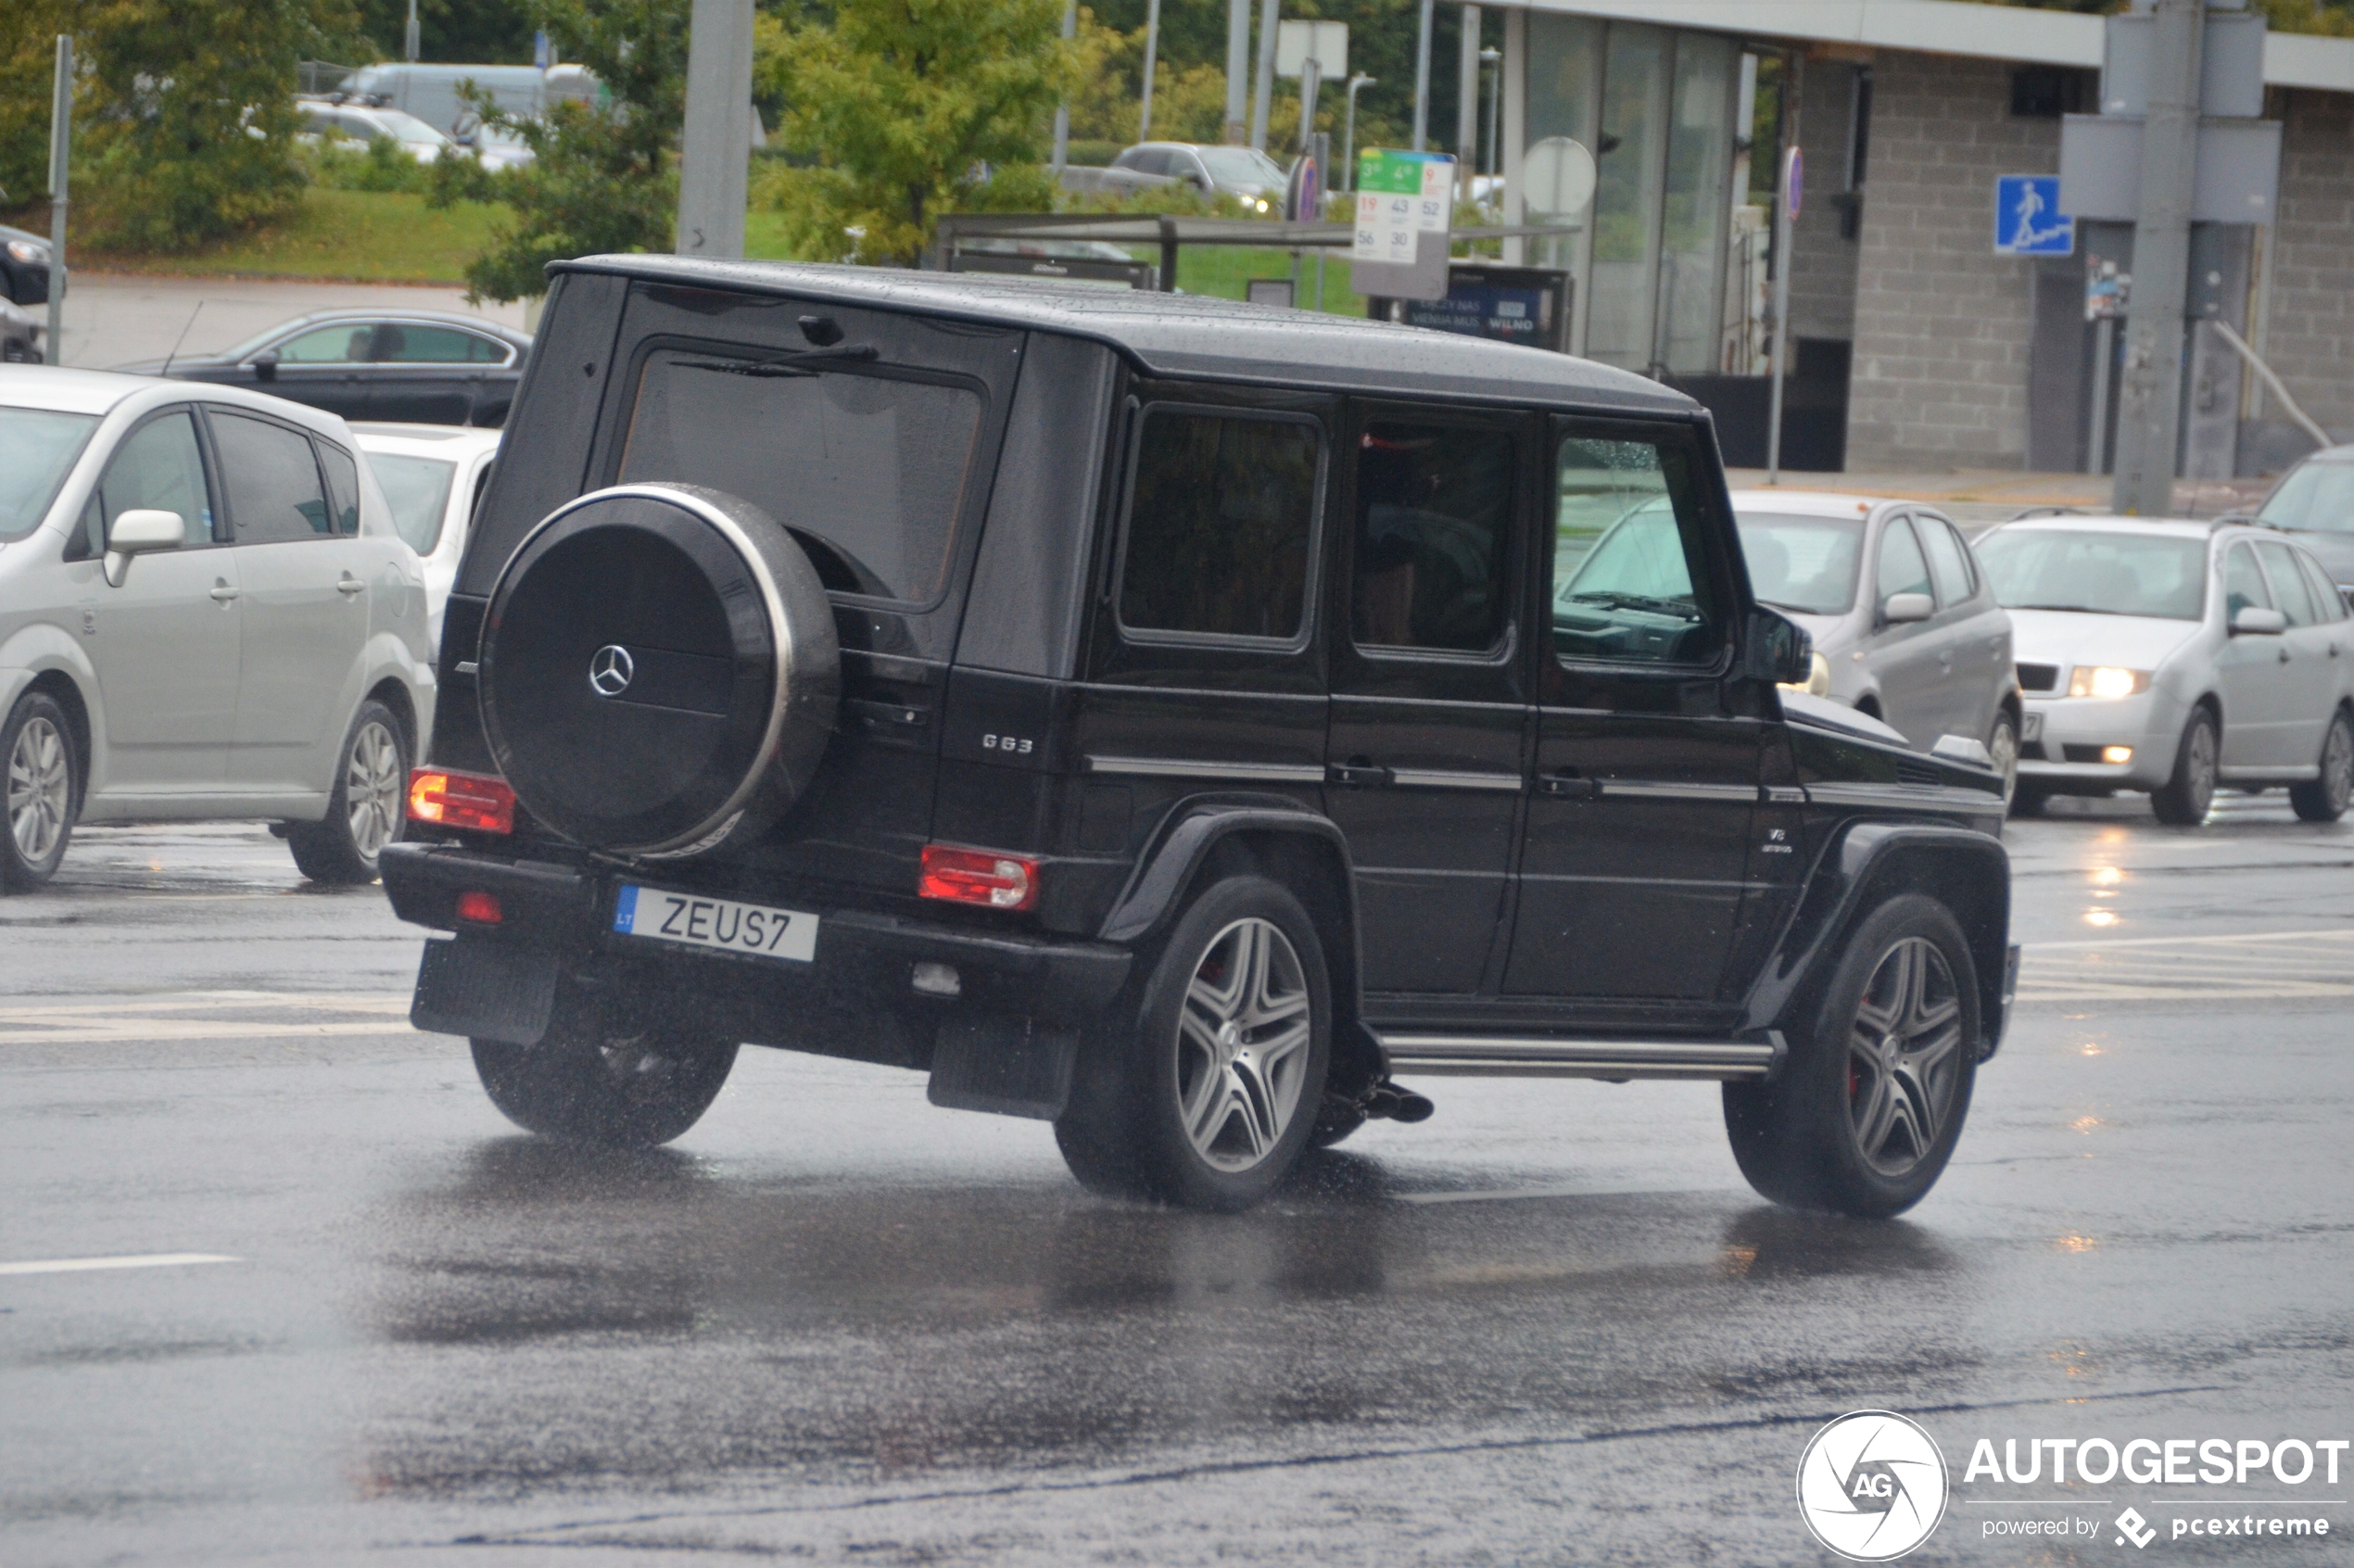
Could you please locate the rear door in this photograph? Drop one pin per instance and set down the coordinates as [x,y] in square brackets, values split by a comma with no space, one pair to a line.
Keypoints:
[1645,783]
[426,373]
[1424,764]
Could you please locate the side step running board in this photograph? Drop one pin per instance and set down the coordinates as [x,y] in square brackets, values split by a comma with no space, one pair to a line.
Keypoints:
[1498,1057]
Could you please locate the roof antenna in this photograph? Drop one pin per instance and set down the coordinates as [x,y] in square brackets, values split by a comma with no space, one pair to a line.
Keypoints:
[181,338]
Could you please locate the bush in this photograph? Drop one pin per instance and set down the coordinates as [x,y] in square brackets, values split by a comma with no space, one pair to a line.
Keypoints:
[380,165]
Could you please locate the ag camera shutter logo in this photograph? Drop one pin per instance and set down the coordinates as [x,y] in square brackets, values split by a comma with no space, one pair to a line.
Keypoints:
[1872,1485]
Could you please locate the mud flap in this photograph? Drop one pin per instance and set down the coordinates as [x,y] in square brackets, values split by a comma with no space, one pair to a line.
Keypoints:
[485,990]
[1008,1066]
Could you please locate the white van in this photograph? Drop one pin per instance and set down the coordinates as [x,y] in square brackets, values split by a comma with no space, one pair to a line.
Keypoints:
[430,92]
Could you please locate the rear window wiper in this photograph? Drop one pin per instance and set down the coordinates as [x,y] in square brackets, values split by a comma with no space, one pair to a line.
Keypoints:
[793,365]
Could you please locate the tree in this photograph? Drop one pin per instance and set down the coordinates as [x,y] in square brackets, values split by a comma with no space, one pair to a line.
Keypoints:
[462,31]
[913,108]
[601,178]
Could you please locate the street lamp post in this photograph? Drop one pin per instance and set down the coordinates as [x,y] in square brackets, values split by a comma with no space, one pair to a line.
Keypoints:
[1494,60]
[1348,145]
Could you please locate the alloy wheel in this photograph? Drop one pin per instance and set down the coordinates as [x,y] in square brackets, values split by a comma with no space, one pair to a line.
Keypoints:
[371,785]
[2002,747]
[40,791]
[1243,1042]
[1904,1057]
[2199,768]
[2337,766]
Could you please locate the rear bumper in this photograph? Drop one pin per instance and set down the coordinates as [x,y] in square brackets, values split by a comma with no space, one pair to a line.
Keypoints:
[557,923]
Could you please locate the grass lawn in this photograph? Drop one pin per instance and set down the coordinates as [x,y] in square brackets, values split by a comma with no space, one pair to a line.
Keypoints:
[361,236]
[1224,271]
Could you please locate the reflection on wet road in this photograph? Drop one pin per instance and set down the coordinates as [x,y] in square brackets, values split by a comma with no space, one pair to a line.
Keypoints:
[836,1324]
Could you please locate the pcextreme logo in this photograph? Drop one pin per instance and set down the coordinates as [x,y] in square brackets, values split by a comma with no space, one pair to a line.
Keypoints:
[1872,1485]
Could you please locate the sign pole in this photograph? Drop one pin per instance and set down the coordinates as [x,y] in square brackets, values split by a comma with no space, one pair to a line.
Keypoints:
[1784,216]
[715,153]
[1152,49]
[2149,397]
[60,159]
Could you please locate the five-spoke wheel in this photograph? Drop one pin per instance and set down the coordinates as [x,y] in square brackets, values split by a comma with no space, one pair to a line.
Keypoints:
[1242,1041]
[37,744]
[1904,1058]
[367,810]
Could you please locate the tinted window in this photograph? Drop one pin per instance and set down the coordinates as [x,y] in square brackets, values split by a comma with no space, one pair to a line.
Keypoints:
[418,491]
[160,466]
[399,343]
[343,486]
[2243,583]
[2096,571]
[1945,562]
[2288,585]
[270,480]
[1219,517]
[1902,570]
[1433,538]
[1806,563]
[37,449]
[341,345]
[1625,592]
[868,471]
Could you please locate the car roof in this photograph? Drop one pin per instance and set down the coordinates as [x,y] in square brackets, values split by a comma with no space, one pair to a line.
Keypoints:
[457,441]
[2152,528]
[104,392]
[1807,503]
[1192,336]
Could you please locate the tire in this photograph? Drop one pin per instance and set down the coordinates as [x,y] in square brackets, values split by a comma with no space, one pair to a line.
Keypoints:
[579,1086]
[2002,744]
[2184,801]
[1208,1093]
[1908,1080]
[2324,798]
[2029,800]
[40,790]
[368,808]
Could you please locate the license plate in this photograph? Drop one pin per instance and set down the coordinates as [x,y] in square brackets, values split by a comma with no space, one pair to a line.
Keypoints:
[757,929]
[2031,727]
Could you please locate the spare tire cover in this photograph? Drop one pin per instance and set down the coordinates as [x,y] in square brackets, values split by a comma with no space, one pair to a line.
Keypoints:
[658,670]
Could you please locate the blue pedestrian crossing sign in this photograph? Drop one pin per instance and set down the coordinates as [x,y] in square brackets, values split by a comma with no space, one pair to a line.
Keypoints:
[2028,221]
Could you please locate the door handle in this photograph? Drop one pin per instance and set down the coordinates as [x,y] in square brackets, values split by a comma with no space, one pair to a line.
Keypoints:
[349,584]
[2284,655]
[1569,787]
[222,592]
[1356,773]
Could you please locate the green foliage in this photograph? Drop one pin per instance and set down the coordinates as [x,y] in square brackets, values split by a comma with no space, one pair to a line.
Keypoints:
[601,178]
[468,32]
[911,108]
[341,164]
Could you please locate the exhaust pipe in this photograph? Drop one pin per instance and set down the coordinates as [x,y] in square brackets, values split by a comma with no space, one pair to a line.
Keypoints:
[1386,1101]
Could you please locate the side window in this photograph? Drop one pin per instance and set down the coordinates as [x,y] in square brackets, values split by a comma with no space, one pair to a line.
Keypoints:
[1435,542]
[270,480]
[1629,580]
[343,486]
[2288,585]
[1902,570]
[160,466]
[344,344]
[1946,562]
[2243,583]
[1221,515]
[2331,602]
[402,343]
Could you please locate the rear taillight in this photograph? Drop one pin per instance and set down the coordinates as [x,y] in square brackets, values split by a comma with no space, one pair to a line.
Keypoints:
[477,800]
[982,876]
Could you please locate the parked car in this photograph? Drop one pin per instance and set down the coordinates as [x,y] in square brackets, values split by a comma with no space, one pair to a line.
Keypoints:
[332,119]
[433,478]
[417,367]
[1905,627]
[205,613]
[1245,173]
[430,92]
[1136,711]
[24,267]
[2314,502]
[2171,657]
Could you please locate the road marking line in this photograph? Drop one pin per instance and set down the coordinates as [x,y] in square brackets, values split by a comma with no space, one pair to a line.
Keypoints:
[136,1260]
[386,1001]
[190,1029]
[2335,934]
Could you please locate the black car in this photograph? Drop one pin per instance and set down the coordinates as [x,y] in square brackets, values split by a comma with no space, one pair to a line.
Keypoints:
[24,267]
[411,366]
[1159,717]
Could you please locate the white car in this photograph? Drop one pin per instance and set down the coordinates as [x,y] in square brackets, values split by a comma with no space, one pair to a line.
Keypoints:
[433,476]
[205,612]
[326,118]
[2171,657]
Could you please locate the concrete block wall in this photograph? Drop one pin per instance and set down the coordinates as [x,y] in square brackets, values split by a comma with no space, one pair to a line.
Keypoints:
[1943,325]
[2310,339]
[1822,284]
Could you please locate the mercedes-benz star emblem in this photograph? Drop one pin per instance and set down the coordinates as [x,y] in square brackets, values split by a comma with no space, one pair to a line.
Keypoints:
[610,669]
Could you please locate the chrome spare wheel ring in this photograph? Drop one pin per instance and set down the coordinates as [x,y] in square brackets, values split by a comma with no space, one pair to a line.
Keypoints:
[1904,1057]
[1243,1042]
[372,788]
[40,791]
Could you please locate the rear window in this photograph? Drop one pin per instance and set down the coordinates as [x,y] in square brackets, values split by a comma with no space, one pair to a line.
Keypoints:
[867,471]
[418,490]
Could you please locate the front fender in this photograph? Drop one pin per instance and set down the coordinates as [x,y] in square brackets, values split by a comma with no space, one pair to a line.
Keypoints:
[1864,862]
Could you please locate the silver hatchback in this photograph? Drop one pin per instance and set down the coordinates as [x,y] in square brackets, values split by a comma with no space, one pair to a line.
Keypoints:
[1906,626]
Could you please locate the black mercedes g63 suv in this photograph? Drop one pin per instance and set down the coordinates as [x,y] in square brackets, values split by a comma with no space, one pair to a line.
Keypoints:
[1173,719]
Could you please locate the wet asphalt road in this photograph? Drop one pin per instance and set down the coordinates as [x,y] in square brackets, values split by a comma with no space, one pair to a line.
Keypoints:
[835,1324]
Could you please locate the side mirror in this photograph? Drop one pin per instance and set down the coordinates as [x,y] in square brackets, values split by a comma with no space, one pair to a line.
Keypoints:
[265,365]
[141,531]
[2254,619]
[1777,649]
[1902,609]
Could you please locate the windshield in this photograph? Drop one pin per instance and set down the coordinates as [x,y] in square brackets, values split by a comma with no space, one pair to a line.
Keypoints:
[418,489]
[2099,574]
[1806,563]
[409,128]
[1240,166]
[37,449]
[1640,559]
[2316,495]
[867,471]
